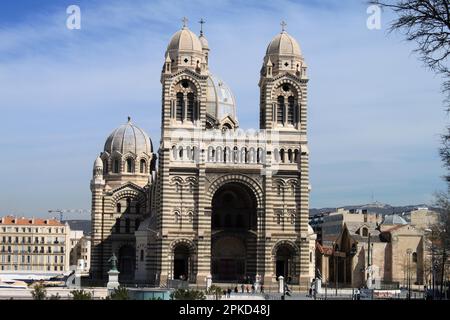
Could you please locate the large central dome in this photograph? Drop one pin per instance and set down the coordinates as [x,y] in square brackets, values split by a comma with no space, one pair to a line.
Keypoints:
[220,101]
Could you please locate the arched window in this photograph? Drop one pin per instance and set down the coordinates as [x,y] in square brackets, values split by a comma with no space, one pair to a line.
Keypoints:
[414,257]
[280,110]
[191,216]
[310,256]
[180,153]
[291,111]
[177,217]
[180,106]
[282,159]
[118,208]
[190,107]
[290,158]
[130,165]
[260,155]
[235,155]
[116,167]
[143,166]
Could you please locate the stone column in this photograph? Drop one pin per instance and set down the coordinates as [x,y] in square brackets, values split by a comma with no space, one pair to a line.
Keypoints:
[281,284]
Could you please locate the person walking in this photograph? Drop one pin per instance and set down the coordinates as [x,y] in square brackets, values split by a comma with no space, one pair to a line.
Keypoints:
[229,292]
[253,289]
[262,289]
[242,288]
[236,290]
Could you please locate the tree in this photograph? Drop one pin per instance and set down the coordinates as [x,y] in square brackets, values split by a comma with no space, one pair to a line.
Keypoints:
[215,291]
[186,294]
[120,293]
[427,23]
[441,238]
[39,292]
[81,295]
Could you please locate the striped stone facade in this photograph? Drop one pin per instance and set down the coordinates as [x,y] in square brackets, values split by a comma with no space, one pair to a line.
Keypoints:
[207,165]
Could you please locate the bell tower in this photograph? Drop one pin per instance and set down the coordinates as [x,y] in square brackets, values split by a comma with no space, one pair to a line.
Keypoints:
[283,85]
[283,111]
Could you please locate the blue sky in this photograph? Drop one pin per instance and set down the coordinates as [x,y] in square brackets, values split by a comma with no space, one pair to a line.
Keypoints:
[375,113]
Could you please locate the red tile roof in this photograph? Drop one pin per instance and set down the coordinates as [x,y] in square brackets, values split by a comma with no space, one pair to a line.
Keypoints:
[11,220]
[324,250]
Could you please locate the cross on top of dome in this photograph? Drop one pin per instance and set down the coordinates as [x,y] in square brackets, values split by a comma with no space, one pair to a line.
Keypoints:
[185,21]
[202,22]
[283,26]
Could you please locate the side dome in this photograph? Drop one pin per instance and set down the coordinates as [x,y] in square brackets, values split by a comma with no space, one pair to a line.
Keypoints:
[283,45]
[129,138]
[98,163]
[204,42]
[220,101]
[185,40]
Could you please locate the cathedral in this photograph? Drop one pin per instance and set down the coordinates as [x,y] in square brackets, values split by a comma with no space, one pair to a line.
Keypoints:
[214,200]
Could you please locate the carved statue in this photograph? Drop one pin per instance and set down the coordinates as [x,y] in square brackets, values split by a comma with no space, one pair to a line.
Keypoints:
[113,261]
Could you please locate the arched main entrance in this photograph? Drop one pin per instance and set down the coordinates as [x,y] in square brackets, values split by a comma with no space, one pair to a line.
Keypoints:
[181,262]
[127,261]
[234,226]
[284,262]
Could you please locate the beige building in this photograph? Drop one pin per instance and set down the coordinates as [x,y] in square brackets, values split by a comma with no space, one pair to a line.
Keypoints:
[32,244]
[424,218]
[224,202]
[80,251]
[360,249]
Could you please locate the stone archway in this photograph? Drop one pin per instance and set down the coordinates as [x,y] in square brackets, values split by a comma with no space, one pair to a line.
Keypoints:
[284,257]
[234,228]
[182,257]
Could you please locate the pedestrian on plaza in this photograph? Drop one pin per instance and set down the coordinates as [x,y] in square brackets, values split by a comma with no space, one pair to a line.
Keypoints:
[242,288]
[236,290]
[253,288]
[262,289]
[310,292]
[247,288]
[229,292]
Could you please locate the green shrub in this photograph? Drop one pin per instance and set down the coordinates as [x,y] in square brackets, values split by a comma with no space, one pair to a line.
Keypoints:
[183,294]
[39,292]
[215,291]
[81,295]
[120,293]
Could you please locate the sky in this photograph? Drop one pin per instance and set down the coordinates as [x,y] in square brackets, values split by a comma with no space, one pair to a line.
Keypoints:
[375,113]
